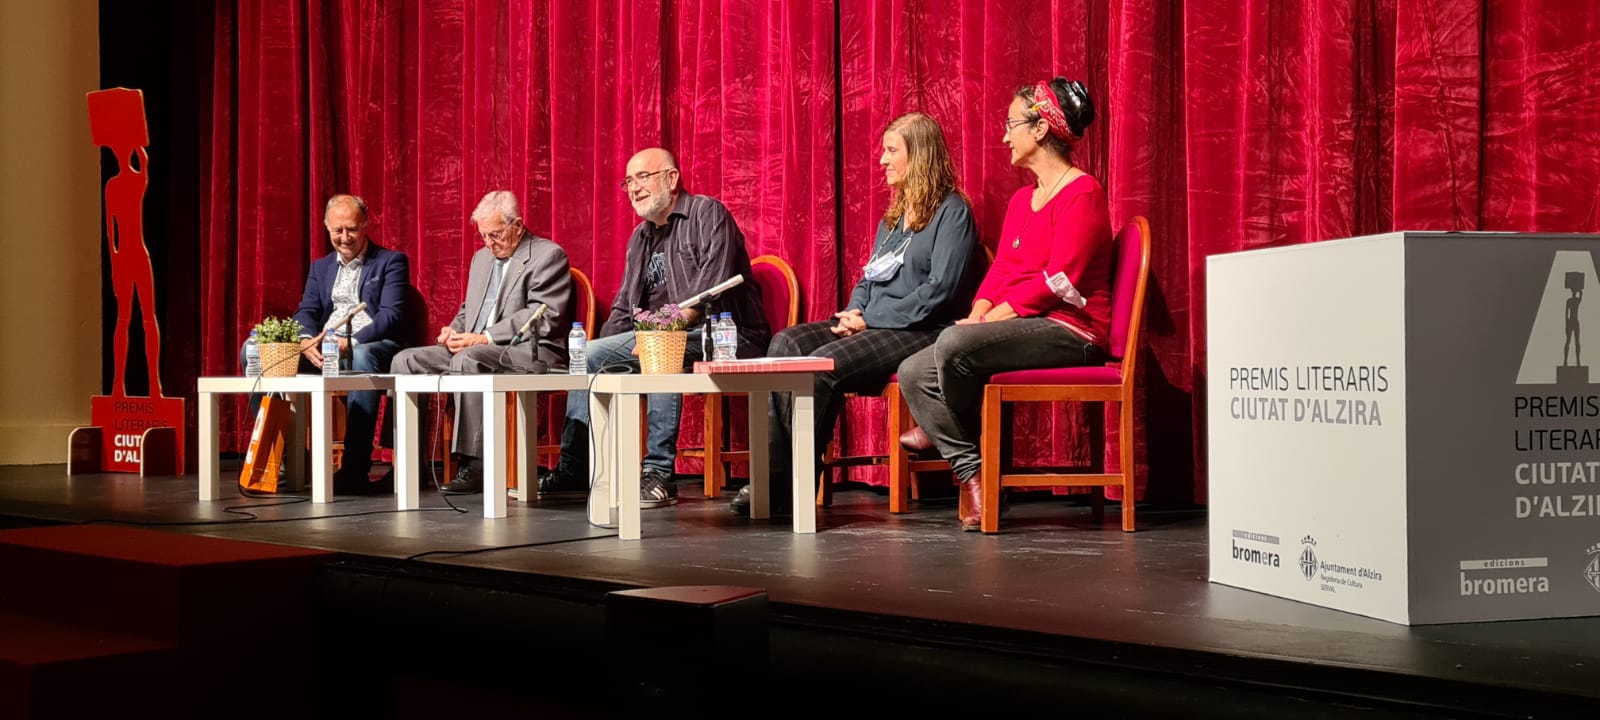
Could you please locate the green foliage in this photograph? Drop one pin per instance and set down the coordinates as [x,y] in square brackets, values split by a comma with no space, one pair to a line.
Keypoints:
[278,330]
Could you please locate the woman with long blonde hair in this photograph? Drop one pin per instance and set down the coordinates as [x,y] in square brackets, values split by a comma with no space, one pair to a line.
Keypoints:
[924,268]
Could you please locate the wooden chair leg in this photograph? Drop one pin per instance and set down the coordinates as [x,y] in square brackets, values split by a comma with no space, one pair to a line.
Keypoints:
[716,472]
[899,461]
[825,471]
[510,442]
[1126,444]
[446,434]
[989,472]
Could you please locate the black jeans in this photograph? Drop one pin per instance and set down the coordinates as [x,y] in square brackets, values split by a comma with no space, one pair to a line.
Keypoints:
[943,384]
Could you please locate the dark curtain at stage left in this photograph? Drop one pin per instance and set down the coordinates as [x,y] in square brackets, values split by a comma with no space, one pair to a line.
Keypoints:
[421,108]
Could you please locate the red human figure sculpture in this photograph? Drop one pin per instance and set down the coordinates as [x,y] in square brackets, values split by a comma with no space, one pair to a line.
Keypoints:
[117,122]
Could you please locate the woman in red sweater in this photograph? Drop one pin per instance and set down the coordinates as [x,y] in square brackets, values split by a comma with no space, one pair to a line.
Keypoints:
[1046,300]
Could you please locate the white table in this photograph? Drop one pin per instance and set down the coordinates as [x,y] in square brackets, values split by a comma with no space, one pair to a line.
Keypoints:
[319,389]
[494,387]
[614,411]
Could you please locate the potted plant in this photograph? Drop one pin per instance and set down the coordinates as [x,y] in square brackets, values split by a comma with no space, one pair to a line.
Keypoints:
[661,337]
[278,341]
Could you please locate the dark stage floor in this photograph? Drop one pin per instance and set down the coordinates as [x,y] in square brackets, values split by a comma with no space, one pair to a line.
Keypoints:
[1054,589]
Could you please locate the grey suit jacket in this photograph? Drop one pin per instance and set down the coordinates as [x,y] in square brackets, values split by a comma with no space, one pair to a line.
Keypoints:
[538,272]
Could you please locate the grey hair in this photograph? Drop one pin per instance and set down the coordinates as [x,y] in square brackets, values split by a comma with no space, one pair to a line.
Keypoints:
[498,202]
[347,199]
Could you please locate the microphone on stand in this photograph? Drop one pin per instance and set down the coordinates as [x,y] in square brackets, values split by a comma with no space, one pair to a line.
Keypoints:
[347,318]
[342,321]
[522,332]
[713,293]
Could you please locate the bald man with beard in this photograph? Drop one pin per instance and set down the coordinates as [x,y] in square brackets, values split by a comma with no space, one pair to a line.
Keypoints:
[684,244]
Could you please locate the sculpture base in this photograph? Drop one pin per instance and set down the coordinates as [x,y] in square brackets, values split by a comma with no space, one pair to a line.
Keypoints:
[142,435]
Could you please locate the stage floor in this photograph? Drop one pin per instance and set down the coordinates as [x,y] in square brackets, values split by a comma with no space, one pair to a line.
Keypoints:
[1053,584]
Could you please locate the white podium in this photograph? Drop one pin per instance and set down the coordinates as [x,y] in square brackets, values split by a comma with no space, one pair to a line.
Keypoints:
[1406,426]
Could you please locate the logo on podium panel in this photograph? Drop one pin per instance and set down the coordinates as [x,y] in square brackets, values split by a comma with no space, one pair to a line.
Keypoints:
[1554,353]
[1591,571]
[1308,558]
[142,434]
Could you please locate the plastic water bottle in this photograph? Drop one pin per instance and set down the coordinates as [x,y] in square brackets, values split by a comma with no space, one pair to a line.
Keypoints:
[725,338]
[252,357]
[577,350]
[330,354]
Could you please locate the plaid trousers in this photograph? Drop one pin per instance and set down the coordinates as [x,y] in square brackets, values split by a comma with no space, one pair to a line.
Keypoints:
[862,363]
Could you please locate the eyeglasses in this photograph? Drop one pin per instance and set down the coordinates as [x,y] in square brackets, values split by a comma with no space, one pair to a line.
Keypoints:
[1011,123]
[639,178]
[496,235]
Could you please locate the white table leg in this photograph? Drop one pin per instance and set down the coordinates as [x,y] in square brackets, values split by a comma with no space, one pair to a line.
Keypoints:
[527,444]
[210,480]
[321,446]
[803,452]
[760,484]
[626,477]
[602,454]
[494,461]
[407,452]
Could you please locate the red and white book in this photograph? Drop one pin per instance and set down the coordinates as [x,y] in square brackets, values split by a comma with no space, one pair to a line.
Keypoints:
[765,365]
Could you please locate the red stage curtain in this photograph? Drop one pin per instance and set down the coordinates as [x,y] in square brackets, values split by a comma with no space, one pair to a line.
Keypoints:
[1231,124]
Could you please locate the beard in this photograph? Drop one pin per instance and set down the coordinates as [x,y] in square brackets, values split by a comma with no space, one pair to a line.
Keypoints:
[652,207]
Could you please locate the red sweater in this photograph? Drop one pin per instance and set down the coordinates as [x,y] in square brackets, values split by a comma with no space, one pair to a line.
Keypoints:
[1060,266]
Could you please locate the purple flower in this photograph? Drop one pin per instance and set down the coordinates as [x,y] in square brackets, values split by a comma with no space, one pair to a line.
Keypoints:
[669,317]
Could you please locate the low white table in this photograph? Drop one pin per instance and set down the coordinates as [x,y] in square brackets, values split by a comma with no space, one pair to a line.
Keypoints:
[494,387]
[319,389]
[614,411]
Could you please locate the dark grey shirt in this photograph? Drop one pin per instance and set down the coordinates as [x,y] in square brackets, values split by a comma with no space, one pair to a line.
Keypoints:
[703,246]
[934,286]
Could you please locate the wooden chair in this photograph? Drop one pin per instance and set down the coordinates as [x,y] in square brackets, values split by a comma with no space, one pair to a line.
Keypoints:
[1112,384]
[583,293]
[834,459]
[780,298]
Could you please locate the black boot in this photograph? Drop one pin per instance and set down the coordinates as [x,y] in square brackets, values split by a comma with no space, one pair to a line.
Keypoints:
[779,502]
[469,477]
[567,479]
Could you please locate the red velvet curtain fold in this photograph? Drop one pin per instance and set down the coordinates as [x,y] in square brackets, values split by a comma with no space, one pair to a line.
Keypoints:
[1230,124]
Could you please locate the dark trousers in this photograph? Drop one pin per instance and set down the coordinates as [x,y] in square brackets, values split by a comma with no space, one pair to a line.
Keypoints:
[862,363]
[662,410]
[478,359]
[361,409]
[943,384]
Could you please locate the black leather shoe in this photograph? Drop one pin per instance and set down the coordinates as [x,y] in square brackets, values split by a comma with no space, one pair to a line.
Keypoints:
[468,479]
[564,480]
[777,504]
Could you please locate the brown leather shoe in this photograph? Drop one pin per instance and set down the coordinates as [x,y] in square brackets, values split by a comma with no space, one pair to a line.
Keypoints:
[915,440]
[970,507]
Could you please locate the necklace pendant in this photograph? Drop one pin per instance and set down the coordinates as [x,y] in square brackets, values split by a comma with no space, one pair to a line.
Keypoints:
[1016,241]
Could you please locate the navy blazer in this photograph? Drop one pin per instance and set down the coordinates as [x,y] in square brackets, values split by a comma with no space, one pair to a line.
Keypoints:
[385,275]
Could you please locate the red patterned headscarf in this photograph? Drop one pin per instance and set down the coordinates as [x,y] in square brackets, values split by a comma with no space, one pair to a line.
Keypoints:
[1044,103]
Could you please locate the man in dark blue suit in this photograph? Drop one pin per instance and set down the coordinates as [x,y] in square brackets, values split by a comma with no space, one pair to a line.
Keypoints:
[357,271]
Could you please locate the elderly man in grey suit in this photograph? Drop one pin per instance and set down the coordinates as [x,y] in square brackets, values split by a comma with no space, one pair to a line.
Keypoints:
[511,276]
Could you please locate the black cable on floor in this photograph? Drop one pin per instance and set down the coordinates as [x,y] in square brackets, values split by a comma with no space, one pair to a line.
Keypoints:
[387,574]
